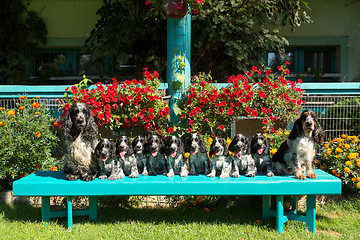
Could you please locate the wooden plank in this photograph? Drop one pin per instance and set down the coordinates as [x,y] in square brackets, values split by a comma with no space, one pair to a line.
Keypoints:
[48,183]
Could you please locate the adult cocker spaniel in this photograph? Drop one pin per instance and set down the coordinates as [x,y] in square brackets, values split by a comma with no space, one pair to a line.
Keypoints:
[81,135]
[296,153]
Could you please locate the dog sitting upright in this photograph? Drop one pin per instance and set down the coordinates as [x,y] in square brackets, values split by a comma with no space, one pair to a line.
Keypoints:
[198,160]
[105,155]
[260,152]
[127,157]
[243,162]
[138,145]
[155,148]
[174,150]
[222,162]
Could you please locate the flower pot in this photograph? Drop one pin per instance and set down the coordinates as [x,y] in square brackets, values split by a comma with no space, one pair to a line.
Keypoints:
[175,8]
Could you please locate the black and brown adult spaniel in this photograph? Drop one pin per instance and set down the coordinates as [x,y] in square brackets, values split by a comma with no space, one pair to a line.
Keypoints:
[81,135]
[296,153]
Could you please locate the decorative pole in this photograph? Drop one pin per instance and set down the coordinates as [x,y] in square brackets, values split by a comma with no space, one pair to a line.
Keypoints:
[178,72]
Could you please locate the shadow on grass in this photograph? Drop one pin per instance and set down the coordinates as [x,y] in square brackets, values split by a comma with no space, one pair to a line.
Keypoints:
[248,212]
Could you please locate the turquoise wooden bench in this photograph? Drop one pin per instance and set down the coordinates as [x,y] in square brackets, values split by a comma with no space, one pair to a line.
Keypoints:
[47,183]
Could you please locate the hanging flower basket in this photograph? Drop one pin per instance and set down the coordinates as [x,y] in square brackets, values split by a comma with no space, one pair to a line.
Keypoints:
[175,8]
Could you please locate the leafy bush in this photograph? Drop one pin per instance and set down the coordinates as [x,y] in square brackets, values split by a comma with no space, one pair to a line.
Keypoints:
[26,139]
[340,157]
[275,139]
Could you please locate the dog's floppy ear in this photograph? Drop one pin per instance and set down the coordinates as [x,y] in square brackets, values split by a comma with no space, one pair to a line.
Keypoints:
[202,145]
[112,150]
[188,144]
[91,128]
[69,128]
[233,143]
[226,150]
[162,145]
[181,147]
[130,149]
[247,146]
[318,134]
[97,150]
[297,129]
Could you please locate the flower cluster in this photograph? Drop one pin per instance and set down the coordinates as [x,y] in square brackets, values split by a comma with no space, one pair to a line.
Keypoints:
[272,98]
[132,104]
[204,203]
[340,157]
[275,139]
[26,137]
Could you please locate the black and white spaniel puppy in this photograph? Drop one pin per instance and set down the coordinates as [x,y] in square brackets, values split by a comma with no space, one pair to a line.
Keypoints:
[109,165]
[243,161]
[126,157]
[198,160]
[81,135]
[174,150]
[221,160]
[155,148]
[296,153]
[138,145]
[260,152]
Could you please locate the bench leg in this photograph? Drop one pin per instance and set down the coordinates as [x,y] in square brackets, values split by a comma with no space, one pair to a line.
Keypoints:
[92,208]
[279,213]
[266,203]
[45,209]
[69,213]
[311,213]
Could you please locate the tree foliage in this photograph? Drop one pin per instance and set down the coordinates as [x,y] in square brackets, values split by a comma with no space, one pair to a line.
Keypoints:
[21,33]
[227,36]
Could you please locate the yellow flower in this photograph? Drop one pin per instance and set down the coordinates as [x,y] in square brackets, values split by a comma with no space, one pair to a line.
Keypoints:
[22,97]
[352,156]
[186,155]
[273,151]
[56,124]
[286,132]
[199,199]
[326,145]
[36,113]
[353,179]
[213,135]
[358,179]
[38,134]
[21,107]
[346,169]
[347,146]
[2,108]
[265,135]
[228,141]
[328,152]
[343,136]
[358,185]
[11,112]
[338,150]
[2,124]
[358,163]
[337,156]
[53,168]
[210,140]
[35,105]
[348,163]
[340,145]
[338,140]
[194,203]
[182,203]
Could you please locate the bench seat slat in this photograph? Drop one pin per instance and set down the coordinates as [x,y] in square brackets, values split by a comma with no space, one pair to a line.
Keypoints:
[50,183]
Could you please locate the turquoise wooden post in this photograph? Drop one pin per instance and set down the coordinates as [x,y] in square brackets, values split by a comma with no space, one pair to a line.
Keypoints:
[69,213]
[279,213]
[178,59]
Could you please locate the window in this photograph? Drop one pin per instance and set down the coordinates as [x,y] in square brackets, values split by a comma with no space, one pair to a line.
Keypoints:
[312,64]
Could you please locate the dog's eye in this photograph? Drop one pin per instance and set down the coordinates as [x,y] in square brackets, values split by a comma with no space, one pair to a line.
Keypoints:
[313,114]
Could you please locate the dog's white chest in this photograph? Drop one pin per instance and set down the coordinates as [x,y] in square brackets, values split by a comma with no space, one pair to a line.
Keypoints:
[81,151]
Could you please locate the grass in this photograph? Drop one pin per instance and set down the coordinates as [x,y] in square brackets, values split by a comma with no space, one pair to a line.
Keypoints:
[339,220]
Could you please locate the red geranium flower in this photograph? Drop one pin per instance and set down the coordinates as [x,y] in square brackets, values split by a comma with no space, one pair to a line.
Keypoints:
[221,127]
[171,130]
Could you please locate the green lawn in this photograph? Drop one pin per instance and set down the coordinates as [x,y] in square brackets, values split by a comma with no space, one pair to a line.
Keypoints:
[334,221]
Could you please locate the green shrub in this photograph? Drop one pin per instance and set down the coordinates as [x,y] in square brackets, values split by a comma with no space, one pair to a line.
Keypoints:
[340,157]
[26,139]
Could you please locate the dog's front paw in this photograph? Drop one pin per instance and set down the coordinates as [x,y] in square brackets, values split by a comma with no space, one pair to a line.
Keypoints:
[133,175]
[88,177]
[211,175]
[300,176]
[121,175]
[250,174]
[103,177]
[270,174]
[235,175]
[184,174]
[311,175]
[72,177]
[145,173]
[222,176]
